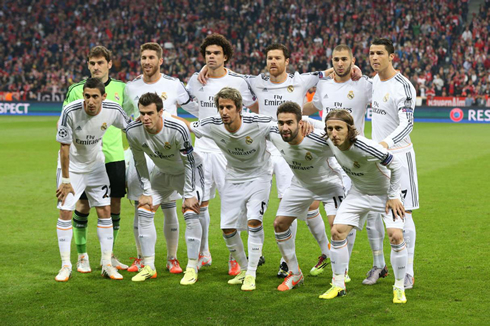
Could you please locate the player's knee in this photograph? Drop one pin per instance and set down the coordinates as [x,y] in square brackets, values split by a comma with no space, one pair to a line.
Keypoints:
[281,224]
[205,203]
[65,215]
[395,235]
[338,233]
[228,231]
[254,223]
[83,206]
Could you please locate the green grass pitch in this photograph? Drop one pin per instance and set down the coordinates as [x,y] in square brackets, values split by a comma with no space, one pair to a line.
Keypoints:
[451,260]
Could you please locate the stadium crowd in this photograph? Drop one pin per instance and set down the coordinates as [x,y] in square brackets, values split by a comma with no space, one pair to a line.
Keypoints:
[441,48]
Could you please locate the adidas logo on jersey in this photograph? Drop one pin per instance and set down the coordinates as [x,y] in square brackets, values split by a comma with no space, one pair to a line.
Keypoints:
[78,128]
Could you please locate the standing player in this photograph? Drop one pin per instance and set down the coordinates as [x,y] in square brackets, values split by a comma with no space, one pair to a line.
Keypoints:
[99,63]
[342,92]
[81,168]
[314,179]
[393,107]
[168,143]
[173,93]
[369,165]
[242,139]
[217,51]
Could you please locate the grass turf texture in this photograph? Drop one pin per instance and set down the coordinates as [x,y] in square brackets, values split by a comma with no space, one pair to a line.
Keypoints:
[451,263]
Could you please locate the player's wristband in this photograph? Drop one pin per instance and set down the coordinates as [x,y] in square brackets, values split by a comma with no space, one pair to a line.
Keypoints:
[65,180]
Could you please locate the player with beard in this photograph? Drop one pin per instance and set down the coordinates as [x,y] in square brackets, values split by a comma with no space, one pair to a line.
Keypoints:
[217,51]
[173,93]
[342,92]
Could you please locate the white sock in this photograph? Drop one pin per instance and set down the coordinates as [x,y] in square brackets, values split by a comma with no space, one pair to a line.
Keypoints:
[294,229]
[231,256]
[316,225]
[351,239]
[399,262]
[255,244]
[147,233]
[149,261]
[409,236]
[287,248]
[339,258]
[376,234]
[204,219]
[135,231]
[235,246]
[64,230]
[171,228]
[105,233]
[193,234]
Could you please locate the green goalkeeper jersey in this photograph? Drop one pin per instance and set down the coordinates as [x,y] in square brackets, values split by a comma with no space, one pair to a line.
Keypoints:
[112,144]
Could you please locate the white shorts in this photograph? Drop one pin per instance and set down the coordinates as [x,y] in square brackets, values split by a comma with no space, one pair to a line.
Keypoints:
[283,173]
[409,180]
[244,201]
[95,184]
[164,185]
[214,173]
[356,207]
[297,200]
[133,181]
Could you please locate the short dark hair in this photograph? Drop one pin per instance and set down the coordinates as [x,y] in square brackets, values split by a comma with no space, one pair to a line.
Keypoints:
[219,40]
[149,98]
[95,83]
[153,47]
[343,47]
[100,51]
[290,107]
[229,94]
[343,115]
[278,46]
[386,42]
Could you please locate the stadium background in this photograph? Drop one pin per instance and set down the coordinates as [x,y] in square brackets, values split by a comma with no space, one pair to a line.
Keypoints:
[43,47]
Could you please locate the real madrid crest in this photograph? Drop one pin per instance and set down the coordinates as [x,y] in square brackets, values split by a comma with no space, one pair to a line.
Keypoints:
[290,88]
[116,96]
[386,98]
[308,156]
[350,96]
[248,140]
[164,96]
[357,165]
[167,145]
[104,126]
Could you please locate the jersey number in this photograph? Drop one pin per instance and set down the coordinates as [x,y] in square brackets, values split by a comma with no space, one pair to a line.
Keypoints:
[340,201]
[106,194]
[262,209]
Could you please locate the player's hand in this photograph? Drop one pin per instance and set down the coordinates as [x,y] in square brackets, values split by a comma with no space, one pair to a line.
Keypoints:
[356,73]
[146,201]
[190,204]
[396,207]
[306,128]
[63,190]
[203,75]
[384,144]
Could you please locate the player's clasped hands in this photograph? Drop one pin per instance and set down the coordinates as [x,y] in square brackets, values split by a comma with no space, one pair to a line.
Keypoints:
[63,190]
[396,207]
[191,204]
[145,201]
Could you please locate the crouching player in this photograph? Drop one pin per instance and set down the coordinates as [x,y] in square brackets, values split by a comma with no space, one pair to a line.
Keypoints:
[81,167]
[368,164]
[314,179]
[168,143]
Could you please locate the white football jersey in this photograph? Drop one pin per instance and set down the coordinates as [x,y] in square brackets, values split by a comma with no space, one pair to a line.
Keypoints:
[368,165]
[393,105]
[84,132]
[203,96]
[170,149]
[270,95]
[308,160]
[245,150]
[170,89]
[353,96]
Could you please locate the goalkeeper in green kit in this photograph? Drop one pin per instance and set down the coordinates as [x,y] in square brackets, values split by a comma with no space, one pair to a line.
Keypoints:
[99,64]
